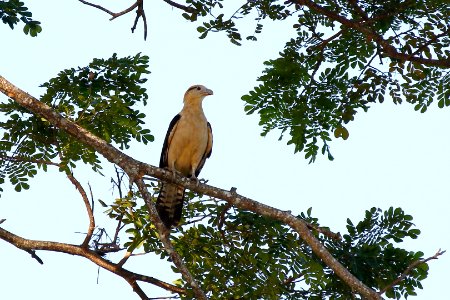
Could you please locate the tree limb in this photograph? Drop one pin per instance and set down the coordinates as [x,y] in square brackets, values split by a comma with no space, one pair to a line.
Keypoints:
[139,4]
[131,277]
[136,169]
[90,213]
[370,34]
[164,237]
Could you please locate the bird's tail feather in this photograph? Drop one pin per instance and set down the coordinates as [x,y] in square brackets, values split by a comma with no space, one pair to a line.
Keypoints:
[170,204]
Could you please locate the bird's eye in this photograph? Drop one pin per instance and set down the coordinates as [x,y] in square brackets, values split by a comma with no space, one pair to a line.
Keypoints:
[199,88]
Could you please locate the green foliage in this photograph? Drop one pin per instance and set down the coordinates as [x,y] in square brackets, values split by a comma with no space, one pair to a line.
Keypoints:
[239,255]
[14,11]
[102,97]
[328,72]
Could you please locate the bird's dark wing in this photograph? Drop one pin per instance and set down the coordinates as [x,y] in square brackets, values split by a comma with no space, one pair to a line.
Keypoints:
[208,151]
[163,163]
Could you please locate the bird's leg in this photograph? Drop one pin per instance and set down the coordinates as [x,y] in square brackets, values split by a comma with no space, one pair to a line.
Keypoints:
[193,177]
[174,172]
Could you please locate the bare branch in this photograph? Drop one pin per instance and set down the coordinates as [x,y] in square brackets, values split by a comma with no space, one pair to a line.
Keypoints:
[98,7]
[140,13]
[180,6]
[27,159]
[139,4]
[129,9]
[408,270]
[31,245]
[90,213]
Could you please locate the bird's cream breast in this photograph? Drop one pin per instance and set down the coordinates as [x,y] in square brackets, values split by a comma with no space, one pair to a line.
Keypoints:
[188,142]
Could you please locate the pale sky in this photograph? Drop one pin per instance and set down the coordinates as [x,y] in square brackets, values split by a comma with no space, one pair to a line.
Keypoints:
[393,157]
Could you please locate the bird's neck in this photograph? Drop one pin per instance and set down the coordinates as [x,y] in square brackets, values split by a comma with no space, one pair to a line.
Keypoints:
[194,105]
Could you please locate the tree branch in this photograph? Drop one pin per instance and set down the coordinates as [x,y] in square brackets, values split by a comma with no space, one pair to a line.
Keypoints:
[27,159]
[409,269]
[180,6]
[136,169]
[90,213]
[139,4]
[131,277]
[140,13]
[387,48]
[164,237]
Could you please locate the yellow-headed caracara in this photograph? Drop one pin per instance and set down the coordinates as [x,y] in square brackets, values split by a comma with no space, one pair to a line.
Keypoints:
[187,145]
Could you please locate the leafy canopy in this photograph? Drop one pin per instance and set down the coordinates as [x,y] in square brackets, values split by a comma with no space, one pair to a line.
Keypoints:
[343,57]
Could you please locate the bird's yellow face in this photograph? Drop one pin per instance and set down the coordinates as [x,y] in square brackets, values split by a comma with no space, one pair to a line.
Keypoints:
[197,92]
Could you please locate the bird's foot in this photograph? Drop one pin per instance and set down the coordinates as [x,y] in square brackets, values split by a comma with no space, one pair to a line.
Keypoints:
[197,181]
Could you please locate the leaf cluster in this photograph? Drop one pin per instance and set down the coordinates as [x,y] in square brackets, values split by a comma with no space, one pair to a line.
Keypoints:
[102,97]
[14,11]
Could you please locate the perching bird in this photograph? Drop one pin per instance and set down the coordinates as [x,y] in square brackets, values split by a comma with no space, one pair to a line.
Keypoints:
[187,145]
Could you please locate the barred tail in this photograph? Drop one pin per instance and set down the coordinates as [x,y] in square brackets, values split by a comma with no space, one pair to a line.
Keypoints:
[170,204]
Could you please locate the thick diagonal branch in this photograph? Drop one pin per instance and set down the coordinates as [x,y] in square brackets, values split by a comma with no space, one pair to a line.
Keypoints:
[136,169]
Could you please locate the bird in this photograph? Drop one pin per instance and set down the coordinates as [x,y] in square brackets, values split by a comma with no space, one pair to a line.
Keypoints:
[187,145]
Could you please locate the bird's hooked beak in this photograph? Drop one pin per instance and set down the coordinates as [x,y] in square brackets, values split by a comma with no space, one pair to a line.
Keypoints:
[209,92]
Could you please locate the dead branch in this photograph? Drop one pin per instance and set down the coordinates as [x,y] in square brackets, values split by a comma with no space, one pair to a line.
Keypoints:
[408,270]
[136,169]
[31,245]
[140,13]
[138,5]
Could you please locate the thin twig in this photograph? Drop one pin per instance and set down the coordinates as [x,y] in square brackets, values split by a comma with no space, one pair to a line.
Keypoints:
[27,159]
[98,7]
[408,270]
[140,13]
[139,4]
[34,255]
[325,231]
[188,9]
[129,9]
[90,213]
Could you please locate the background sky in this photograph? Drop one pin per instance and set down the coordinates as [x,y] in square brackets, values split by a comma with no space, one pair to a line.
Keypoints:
[393,157]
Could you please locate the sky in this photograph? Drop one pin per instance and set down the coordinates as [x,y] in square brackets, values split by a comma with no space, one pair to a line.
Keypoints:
[393,157]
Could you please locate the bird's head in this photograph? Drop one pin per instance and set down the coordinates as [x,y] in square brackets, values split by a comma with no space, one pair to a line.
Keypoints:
[197,93]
